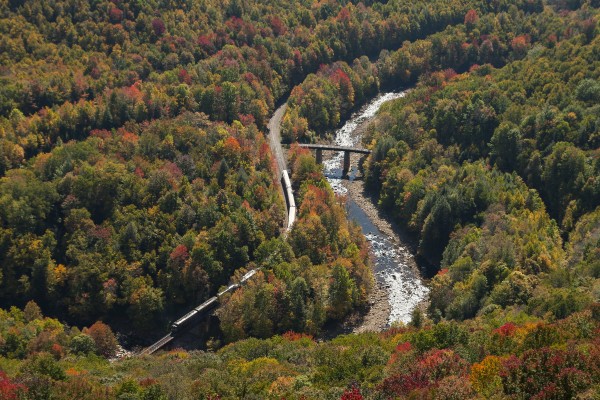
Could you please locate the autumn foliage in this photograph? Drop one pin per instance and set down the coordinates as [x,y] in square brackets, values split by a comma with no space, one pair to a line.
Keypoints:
[10,390]
[136,181]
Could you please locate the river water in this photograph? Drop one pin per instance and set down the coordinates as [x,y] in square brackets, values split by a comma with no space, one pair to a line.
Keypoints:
[394,264]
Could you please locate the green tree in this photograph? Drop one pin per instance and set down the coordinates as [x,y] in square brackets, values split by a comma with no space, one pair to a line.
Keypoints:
[341,292]
[563,176]
[82,344]
[505,147]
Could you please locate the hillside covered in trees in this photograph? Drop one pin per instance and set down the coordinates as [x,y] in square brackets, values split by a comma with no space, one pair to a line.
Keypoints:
[511,356]
[136,180]
[497,174]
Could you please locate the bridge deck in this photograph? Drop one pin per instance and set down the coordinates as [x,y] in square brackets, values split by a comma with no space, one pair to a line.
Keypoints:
[158,345]
[335,148]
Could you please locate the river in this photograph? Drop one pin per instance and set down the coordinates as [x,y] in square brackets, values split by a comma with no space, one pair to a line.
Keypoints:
[394,266]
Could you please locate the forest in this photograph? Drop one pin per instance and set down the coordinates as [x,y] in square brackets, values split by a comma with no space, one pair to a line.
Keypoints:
[513,156]
[136,180]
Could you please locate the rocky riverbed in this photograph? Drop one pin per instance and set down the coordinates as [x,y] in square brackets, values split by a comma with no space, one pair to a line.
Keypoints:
[399,287]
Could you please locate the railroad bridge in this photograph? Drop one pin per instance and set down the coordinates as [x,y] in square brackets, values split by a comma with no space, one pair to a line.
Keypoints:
[346,149]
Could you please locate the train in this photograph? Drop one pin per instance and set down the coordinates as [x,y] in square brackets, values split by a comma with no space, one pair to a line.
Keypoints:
[248,275]
[194,314]
[289,196]
[211,303]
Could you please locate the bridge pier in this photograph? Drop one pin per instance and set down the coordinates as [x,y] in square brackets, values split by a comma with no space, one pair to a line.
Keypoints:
[346,149]
[346,163]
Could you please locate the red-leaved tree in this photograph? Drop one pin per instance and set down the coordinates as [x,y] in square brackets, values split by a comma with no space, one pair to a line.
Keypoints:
[10,390]
[352,393]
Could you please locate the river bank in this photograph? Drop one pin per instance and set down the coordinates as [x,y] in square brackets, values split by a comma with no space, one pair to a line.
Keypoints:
[378,316]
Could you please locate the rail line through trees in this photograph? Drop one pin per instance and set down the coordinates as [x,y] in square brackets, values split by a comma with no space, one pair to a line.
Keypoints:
[283,178]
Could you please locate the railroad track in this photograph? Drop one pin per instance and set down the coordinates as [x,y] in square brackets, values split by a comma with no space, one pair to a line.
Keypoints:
[158,345]
[286,186]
